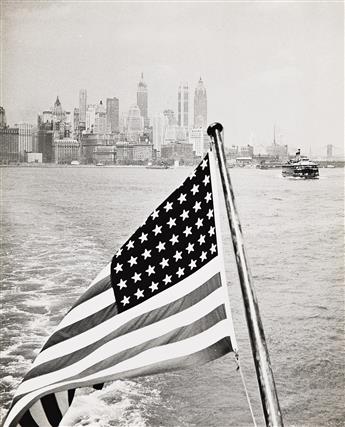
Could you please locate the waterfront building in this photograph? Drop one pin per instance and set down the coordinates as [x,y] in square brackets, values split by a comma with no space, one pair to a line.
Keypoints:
[181,151]
[45,137]
[82,108]
[33,157]
[129,153]
[183,106]
[247,151]
[200,106]
[159,125]
[112,111]
[278,152]
[9,145]
[142,100]
[174,133]
[93,146]
[135,123]
[24,139]
[65,150]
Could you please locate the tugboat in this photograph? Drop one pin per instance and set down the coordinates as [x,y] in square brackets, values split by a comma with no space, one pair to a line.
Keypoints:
[300,167]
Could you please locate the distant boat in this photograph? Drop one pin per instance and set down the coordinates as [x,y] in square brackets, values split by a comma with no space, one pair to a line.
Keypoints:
[330,166]
[75,162]
[99,164]
[161,165]
[300,167]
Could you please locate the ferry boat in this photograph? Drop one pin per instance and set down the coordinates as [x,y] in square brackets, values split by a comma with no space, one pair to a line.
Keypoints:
[300,167]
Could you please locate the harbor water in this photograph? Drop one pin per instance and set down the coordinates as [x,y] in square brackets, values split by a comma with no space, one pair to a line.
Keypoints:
[60,226]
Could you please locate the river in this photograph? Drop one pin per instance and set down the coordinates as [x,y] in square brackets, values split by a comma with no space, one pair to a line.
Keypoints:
[60,226]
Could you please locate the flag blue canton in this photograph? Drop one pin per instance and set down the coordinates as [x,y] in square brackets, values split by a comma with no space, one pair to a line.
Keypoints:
[176,240]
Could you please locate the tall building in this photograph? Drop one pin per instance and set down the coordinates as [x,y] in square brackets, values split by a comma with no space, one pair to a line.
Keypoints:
[200,106]
[142,98]
[76,121]
[329,151]
[134,123]
[159,125]
[2,118]
[100,119]
[82,107]
[24,139]
[183,106]
[113,114]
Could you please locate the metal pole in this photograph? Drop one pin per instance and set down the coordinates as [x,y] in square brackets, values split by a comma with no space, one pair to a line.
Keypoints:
[268,393]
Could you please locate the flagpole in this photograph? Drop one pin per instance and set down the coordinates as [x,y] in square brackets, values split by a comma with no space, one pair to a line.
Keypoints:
[268,392]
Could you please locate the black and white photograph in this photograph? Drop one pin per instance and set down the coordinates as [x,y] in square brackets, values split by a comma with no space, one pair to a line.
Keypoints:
[172,213]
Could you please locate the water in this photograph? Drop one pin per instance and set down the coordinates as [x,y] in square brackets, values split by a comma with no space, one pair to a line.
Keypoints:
[60,226]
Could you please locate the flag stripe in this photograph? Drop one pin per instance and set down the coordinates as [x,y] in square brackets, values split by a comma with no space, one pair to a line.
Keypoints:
[106,298]
[145,363]
[96,289]
[172,294]
[38,414]
[138,322]
[62,401]
[51,409]
[123,342]
[27,420]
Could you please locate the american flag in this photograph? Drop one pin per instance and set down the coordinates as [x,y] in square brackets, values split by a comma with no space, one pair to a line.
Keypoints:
[160,305]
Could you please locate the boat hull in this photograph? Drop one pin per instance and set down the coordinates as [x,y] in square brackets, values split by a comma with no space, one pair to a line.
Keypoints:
[304,172]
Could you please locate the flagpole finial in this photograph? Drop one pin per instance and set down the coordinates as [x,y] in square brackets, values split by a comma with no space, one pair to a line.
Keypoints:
[211,130]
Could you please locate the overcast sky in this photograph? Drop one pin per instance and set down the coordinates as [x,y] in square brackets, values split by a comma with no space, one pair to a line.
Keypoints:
[263,63]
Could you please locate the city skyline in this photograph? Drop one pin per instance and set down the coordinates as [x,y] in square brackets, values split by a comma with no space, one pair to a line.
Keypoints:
[263,63]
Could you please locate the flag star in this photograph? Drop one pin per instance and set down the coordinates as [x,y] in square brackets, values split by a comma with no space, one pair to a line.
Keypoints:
[208,197]
[118,267]
[213,248]
[192,175]
[210,214]
[118,253]
[139,293]
[143,237]
[197,206]
[146,254]
[164,263]
[195,189]
[201,239]
[153,286]
[136,277]
[190,248]
[130,245]
[125,300]
[199,222]
[206,180]
[132,261]
[160,246]
[188,231]
[182,198]
[157,229]
[167,279]
[184,215]
[177,256]
[174,239]
[192,264]
[180,272]
[150,270]
[204,164]
[171,222]
[155,214]
[203,256]
[122,284]
[211,231]
[168,206]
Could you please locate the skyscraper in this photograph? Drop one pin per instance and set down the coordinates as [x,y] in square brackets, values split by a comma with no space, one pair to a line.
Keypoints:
[134,123]
[82,107]
[183,106]
[142,98]
[200,106]
[112,114]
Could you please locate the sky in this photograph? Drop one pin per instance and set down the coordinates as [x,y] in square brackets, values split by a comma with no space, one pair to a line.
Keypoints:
[264,64]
